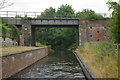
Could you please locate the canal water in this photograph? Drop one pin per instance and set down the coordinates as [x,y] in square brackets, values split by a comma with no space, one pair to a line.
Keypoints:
[57,65]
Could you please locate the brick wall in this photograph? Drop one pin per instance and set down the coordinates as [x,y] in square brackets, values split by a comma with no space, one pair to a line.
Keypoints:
[13,63]
[94,30]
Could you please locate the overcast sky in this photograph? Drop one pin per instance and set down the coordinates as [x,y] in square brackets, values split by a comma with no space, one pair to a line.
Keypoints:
[99,6]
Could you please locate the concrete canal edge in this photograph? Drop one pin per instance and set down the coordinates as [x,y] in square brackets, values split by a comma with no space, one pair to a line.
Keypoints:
[16,62]
[88,74]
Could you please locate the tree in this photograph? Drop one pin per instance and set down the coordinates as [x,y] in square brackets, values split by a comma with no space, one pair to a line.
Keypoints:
[48,13]
[115,21]
[62,38]
[58,38]
[88,14]
[65,11]
[5,3]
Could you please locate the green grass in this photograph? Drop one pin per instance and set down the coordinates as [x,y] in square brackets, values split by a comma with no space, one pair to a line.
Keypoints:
[39,44]
[101,60]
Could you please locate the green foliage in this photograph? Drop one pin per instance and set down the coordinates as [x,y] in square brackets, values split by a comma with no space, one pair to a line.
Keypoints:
[11,35]
[72,47]
[39,44]
[58,38]
[14,31]
[100,50]
[4,31]
[88,14]
[115,21]
[62,38]
[18,16]
[48,13]
[27,18]
[65,11]
[52,51]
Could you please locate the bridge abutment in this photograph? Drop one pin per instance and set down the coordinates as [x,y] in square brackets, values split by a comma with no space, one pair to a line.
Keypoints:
[26,32]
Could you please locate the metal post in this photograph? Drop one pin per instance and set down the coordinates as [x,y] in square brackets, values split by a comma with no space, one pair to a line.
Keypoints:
[35,15]
[16,13]
[7,14]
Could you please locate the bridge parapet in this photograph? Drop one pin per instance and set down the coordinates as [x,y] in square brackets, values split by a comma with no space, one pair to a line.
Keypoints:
[11,20]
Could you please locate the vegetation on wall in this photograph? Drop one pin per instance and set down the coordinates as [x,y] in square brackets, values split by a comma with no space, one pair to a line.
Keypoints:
[13,31]
[4,31]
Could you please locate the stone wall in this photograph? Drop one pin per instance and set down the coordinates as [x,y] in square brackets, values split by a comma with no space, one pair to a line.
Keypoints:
[14,63]
[8,42]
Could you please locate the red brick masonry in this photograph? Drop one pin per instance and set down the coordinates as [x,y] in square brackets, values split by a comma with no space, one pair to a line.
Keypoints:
[94,30]
[14,63]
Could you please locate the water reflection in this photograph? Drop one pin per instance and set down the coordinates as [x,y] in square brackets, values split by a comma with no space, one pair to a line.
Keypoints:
[58,65]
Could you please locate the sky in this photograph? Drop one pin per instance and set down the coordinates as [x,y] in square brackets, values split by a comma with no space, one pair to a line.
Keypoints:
[99,6]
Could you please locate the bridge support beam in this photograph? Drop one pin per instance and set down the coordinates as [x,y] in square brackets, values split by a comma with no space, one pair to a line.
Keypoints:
[33,36]
[77,38]
[26,32]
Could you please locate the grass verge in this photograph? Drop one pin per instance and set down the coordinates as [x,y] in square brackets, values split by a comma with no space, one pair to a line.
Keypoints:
[101,60]
[15,49]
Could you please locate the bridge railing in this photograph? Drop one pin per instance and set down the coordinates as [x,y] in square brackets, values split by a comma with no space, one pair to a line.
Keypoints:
[110,45]
[18,14]
[36,14]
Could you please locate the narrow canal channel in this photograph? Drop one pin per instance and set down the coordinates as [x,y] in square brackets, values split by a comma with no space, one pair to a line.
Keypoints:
[57,65]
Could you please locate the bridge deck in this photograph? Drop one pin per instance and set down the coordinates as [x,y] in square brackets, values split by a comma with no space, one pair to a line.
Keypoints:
[42,22]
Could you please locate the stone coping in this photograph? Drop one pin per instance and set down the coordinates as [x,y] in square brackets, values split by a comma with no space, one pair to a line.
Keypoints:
[22,52]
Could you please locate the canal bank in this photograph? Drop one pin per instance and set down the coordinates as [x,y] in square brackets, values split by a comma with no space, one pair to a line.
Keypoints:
[58,65]
[13,63]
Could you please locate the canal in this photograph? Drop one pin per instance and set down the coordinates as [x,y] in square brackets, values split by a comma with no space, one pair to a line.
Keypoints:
[57,65]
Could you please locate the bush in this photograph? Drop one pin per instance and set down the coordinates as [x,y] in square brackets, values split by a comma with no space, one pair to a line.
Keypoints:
[14,31]
[4,31]
[39,44]
[72,47]
[52,51]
